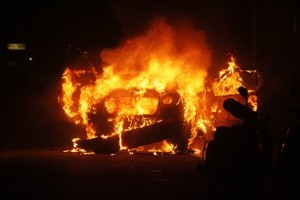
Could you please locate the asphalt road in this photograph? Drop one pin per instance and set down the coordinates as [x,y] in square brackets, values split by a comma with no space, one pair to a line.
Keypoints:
[58,175]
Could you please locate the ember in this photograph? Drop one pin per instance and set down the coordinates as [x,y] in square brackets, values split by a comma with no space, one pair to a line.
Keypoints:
[152,90]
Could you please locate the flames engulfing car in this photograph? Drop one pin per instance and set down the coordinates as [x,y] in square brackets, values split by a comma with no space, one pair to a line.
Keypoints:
[131,111]
[153,117]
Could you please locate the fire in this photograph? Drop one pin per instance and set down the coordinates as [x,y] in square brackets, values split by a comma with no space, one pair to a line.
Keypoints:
[76,149]
[135,76]
[230,79]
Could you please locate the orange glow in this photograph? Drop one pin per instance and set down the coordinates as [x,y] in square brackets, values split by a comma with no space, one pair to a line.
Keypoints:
[157,148]
[138,72]
[229,80]
[253,101]
[76,149]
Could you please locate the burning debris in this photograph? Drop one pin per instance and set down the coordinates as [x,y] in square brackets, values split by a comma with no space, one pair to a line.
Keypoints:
[152,88]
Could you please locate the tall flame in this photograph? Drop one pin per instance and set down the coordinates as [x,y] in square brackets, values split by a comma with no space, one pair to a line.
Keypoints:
[165,58]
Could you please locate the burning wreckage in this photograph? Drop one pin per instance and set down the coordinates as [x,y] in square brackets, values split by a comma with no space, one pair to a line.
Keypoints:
[162,120]
[138,120]
[152,98]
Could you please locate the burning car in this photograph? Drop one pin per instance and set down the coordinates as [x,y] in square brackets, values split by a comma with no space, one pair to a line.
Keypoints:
[157,117]
[141,116]
[151,93]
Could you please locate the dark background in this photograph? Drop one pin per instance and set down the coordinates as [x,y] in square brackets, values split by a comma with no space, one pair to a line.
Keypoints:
[263,35]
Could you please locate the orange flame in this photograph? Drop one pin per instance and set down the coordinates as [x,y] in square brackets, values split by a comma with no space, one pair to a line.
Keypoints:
[230,79]
[164,58]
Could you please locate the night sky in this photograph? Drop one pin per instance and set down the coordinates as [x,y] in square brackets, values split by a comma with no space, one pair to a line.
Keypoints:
[231,26]
[262,34]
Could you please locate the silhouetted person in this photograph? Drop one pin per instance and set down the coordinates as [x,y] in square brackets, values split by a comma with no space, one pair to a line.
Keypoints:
[233,159]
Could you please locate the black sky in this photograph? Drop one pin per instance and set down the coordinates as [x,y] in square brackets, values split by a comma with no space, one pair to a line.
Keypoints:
[64,21]
[96,24]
